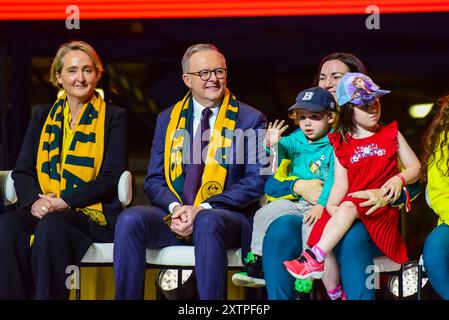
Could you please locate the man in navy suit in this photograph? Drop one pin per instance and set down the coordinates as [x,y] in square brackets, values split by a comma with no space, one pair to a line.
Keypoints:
[219,215]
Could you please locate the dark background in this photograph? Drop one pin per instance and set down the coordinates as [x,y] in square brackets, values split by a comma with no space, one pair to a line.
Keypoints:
[270,60]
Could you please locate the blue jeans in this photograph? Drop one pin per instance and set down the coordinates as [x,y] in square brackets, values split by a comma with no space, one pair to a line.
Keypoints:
[436,259]
[355,253]
[282,242]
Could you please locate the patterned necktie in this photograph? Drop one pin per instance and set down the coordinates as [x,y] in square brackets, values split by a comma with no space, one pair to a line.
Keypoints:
[194,170]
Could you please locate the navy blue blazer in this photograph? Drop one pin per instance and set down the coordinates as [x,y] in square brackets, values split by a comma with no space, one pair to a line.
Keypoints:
[243,186]
[103,189]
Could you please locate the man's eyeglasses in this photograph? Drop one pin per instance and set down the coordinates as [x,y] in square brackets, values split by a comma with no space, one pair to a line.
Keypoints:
[220,73]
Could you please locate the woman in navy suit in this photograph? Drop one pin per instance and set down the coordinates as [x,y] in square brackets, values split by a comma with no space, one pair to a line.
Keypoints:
[66,178]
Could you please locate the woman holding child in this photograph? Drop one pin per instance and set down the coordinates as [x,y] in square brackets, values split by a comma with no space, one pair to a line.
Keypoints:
[356,250]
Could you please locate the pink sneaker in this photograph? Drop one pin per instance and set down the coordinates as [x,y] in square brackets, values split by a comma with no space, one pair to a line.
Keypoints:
[305,267]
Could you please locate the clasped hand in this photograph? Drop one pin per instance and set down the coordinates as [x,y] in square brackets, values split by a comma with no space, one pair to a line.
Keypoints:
[46,204]
[182,219]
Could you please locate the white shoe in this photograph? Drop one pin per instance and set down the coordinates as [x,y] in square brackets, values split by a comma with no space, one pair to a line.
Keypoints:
[242,279]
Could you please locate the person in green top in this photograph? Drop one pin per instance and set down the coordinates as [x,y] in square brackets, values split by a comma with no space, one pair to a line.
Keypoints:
[306,154]
[435,170]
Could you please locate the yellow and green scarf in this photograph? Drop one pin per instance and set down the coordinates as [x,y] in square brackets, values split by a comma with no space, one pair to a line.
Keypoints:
[219,149]
[64,162]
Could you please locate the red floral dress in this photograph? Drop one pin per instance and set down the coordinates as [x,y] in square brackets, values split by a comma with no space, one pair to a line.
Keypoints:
[370,162]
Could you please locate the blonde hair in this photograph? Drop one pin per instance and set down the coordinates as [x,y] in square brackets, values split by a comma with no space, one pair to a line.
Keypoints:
[294,115]
[57,64]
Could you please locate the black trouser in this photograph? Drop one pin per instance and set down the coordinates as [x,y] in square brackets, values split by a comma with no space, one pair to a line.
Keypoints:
[39,271]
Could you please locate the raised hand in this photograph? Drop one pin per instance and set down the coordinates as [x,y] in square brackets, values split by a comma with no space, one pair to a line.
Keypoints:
[274,132]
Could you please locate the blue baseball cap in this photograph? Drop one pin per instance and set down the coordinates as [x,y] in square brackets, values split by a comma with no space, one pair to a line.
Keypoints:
[357,88]
[315,99]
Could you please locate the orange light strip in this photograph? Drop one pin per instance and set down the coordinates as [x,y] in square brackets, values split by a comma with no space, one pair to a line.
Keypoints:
[137,9]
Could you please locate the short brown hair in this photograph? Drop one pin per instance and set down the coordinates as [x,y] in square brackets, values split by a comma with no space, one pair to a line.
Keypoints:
[57,65]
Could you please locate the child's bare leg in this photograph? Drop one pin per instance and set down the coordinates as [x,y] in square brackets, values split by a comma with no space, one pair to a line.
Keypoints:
[339,223]
[331,277]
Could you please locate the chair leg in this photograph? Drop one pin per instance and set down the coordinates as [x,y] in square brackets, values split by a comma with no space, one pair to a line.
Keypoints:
[225,293]
[261,293]
[78,286]
[419,282]
[178,289]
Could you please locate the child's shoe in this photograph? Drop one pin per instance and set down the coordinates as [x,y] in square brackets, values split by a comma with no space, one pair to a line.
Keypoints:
[343,296]
[253,274]
[305,267]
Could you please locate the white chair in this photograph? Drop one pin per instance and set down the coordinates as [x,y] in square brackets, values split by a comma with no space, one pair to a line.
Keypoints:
[413,272]
[101,254]
[125,188]
[387,266]
[7,190]
[172,257]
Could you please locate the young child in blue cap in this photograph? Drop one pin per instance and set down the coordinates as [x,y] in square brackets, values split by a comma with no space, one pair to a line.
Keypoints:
[306,154]
[367,154]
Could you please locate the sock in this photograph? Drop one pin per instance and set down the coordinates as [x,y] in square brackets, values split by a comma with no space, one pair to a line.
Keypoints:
[335,293]
[319,253]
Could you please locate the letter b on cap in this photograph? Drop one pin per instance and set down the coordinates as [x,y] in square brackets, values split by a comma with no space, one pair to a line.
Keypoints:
[307,96]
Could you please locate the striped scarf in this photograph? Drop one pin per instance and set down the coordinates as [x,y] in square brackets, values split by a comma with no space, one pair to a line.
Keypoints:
[218,151]
[62,174]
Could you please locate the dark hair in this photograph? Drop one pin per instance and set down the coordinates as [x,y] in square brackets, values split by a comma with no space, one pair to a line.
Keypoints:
[345,122]
[436,137]
[354,64]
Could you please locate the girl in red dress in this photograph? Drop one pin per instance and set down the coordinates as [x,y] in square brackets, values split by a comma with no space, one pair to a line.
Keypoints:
[365,158]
